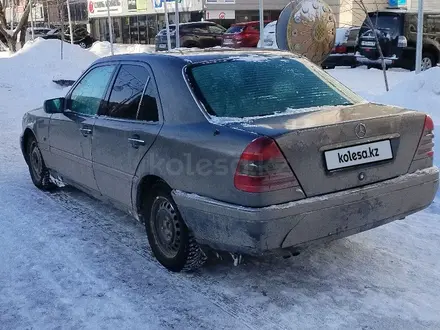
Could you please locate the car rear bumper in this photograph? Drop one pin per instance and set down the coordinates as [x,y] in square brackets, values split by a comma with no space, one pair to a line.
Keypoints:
[340,60]
[296,224]
[378,62]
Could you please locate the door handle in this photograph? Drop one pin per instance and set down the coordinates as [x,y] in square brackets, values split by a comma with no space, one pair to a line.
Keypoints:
[85,131]
[136,141]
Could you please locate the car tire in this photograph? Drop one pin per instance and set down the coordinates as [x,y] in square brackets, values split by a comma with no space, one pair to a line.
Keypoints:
[428,61]
[171,241]
[191,45]
[37,168]
[83,45]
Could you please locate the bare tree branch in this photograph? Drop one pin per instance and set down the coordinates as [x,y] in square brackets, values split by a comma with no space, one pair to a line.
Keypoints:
[373,27]
[23,21]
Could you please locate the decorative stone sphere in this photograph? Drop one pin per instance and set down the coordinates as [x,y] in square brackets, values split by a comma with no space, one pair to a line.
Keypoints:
[308,28]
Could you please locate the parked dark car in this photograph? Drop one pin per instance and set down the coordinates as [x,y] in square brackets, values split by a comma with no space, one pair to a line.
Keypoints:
[344,51]
[192,35]
[247,152]
[81,36]
[242,35]
[396,31]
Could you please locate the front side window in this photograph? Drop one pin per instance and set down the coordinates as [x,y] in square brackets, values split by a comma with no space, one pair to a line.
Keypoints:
[126,93]
[87,96]
[261,85]
[235,29]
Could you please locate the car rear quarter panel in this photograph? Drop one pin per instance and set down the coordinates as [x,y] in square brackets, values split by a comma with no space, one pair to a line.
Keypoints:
[201,158]
[194,155]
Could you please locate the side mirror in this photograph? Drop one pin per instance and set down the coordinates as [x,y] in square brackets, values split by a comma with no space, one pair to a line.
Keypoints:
[54,105]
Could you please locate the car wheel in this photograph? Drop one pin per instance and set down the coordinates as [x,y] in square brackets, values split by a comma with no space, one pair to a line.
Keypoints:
[39,173]
[428,61]
[82,44]
[171,241]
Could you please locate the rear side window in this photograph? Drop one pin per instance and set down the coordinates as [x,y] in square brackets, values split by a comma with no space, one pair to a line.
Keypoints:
[133,95]
[127,92]
[216,29]
[353,35]
[253,28]
[149,111]
[201,28]
[258,86]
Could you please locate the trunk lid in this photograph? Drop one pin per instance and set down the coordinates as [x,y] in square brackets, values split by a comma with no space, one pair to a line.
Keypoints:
[314,142]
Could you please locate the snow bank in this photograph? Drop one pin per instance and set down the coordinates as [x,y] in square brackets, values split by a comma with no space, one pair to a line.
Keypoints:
[102,49]
[418,92]
[30,72]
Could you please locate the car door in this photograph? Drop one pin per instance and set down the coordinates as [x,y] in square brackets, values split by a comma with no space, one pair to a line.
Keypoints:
[71,132]
[201,35]
[215,33]
[125,131]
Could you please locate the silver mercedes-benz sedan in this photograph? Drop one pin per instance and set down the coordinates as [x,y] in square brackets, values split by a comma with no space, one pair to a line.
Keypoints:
[247,152]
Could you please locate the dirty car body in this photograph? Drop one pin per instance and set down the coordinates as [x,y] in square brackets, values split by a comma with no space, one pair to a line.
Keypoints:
[257,160]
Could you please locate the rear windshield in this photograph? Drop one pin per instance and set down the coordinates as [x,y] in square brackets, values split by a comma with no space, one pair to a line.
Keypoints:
[235,29]
[385,22]
[257,86]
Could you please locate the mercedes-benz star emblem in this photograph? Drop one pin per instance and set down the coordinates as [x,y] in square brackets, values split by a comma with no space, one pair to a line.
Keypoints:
[360,130]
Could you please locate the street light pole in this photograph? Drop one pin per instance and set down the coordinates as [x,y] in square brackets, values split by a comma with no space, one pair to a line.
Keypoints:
[260,8]
[167,24]
[110,27]
[69,17]
[419,48]
[177,21]
[32,21]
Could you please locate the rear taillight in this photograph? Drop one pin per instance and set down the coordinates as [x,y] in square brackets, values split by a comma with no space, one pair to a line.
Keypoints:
[340,49]
[262,167]
[426,144]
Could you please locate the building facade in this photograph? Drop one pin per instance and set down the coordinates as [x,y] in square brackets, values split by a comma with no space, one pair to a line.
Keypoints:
[138,21]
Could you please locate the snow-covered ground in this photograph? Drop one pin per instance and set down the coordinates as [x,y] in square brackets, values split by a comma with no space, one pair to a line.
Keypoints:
[68,261]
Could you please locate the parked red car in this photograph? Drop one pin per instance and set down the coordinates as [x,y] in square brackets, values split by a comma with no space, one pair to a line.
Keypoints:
[244,34]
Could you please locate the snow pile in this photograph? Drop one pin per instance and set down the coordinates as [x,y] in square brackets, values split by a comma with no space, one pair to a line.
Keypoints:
[418,92]
[102,49]
[369,83]
[30,72]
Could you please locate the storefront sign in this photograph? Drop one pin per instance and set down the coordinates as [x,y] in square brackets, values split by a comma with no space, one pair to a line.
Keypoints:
[220,14]
[137,5]
[397,3]
[159,3]
[219,2]
[99,7]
